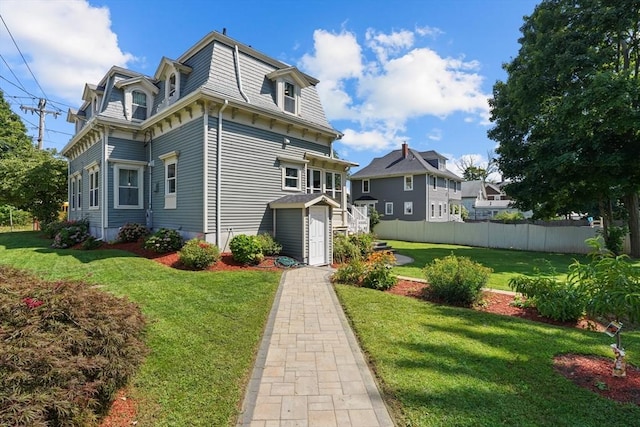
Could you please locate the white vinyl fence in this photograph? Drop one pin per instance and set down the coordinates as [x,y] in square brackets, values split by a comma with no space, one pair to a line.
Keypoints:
[526,237]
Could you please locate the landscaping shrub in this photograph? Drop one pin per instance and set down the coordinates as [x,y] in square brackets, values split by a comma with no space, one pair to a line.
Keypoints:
[198,254]
[163,241]
[246,249]
[344,249]
[50,229]
[374,273]
[378,271]
[72,233]
[555,299]
[364,243]
[350,273]
[131,232]
[269,246]
[66,349]
[456,280]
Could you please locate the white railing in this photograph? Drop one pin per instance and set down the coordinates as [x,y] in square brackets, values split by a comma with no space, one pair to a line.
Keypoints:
[357,220]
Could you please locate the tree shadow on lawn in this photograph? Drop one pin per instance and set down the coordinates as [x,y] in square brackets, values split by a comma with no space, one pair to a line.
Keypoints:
[490,365]
[500,260]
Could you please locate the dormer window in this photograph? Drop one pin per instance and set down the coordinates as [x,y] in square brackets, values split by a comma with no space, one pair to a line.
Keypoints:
[289,83]
[171,86]
[138,95]
[289,98]
[139,105]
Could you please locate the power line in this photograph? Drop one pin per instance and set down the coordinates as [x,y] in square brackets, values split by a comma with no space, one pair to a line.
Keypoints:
[12,73]
[22,56]
[24,90]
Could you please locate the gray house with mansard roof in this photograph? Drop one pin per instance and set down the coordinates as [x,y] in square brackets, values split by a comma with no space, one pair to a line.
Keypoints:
[221,141]
[409,185]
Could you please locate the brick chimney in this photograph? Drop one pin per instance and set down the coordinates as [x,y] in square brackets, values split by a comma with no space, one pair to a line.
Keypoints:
[405,150]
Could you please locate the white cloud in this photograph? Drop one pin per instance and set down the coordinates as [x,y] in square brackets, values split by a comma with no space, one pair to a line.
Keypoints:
[389,80]
[388,44]
[375,140]
[74,44]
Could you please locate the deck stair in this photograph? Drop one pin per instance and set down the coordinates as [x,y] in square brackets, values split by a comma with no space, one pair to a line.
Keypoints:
[381,246]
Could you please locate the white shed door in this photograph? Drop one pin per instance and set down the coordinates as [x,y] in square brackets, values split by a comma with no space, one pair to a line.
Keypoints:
[317,235]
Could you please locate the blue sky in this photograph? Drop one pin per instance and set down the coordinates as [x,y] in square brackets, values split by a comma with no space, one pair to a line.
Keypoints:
[418,71]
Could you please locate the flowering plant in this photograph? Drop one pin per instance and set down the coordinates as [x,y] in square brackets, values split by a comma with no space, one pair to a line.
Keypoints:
[163,241]
[198,254]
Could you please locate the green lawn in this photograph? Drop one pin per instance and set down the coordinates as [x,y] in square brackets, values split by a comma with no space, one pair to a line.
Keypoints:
[204,328]
[445,366]
[505,263]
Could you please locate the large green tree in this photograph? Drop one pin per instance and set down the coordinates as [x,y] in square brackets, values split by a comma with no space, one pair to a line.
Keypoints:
[30,179]
[568,116]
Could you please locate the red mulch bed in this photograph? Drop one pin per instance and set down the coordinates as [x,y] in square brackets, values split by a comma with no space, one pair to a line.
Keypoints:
[590,372]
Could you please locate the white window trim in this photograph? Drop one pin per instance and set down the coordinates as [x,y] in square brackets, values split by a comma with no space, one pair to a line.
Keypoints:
[433,210]
[439,210]
[94,168]
[368,186]
[388,208]
[79,192]
[170,199]
[310,172]
[280,95]
[129,165]
[434,186]
[283,170]
[408,187]
[128,101]
[410,206]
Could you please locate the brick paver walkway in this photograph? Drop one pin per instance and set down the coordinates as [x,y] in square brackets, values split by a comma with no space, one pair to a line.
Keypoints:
[310,370]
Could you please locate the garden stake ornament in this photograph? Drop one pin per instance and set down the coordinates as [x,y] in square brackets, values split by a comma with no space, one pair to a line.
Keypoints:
[619,365]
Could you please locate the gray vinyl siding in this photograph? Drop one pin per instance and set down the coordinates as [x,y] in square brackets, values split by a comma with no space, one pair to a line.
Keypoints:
[392,190]
[290,232]
[125,149]
[252,177]
[78,165]
[212,170]
[188,140]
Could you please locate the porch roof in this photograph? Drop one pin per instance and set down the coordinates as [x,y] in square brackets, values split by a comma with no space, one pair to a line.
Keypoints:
[302,200]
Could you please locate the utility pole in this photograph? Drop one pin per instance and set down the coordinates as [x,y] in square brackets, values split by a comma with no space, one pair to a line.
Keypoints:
[42,113]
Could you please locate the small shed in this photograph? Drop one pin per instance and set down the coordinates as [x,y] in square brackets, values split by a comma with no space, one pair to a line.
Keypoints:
[302,225]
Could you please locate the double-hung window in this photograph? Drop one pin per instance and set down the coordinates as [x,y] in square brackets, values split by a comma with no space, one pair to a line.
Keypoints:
[365,185]
[79,193]
[170,179]
[94,186]
[128,177]
[139,105]
[289,97]
[408,183]
[435,183]
[388,208]
[291,177]
[72,195]
[408,208]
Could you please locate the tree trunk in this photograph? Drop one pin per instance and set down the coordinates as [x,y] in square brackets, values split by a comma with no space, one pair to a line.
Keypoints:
[633,207]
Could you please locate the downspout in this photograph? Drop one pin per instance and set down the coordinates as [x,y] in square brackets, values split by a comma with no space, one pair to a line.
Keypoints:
[205,169]
[105,184]
[150,166]
[219,175]
[236,61]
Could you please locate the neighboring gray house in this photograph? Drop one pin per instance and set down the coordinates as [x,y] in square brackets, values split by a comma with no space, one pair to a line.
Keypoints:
[409,185]
[222,141]
[485,200]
